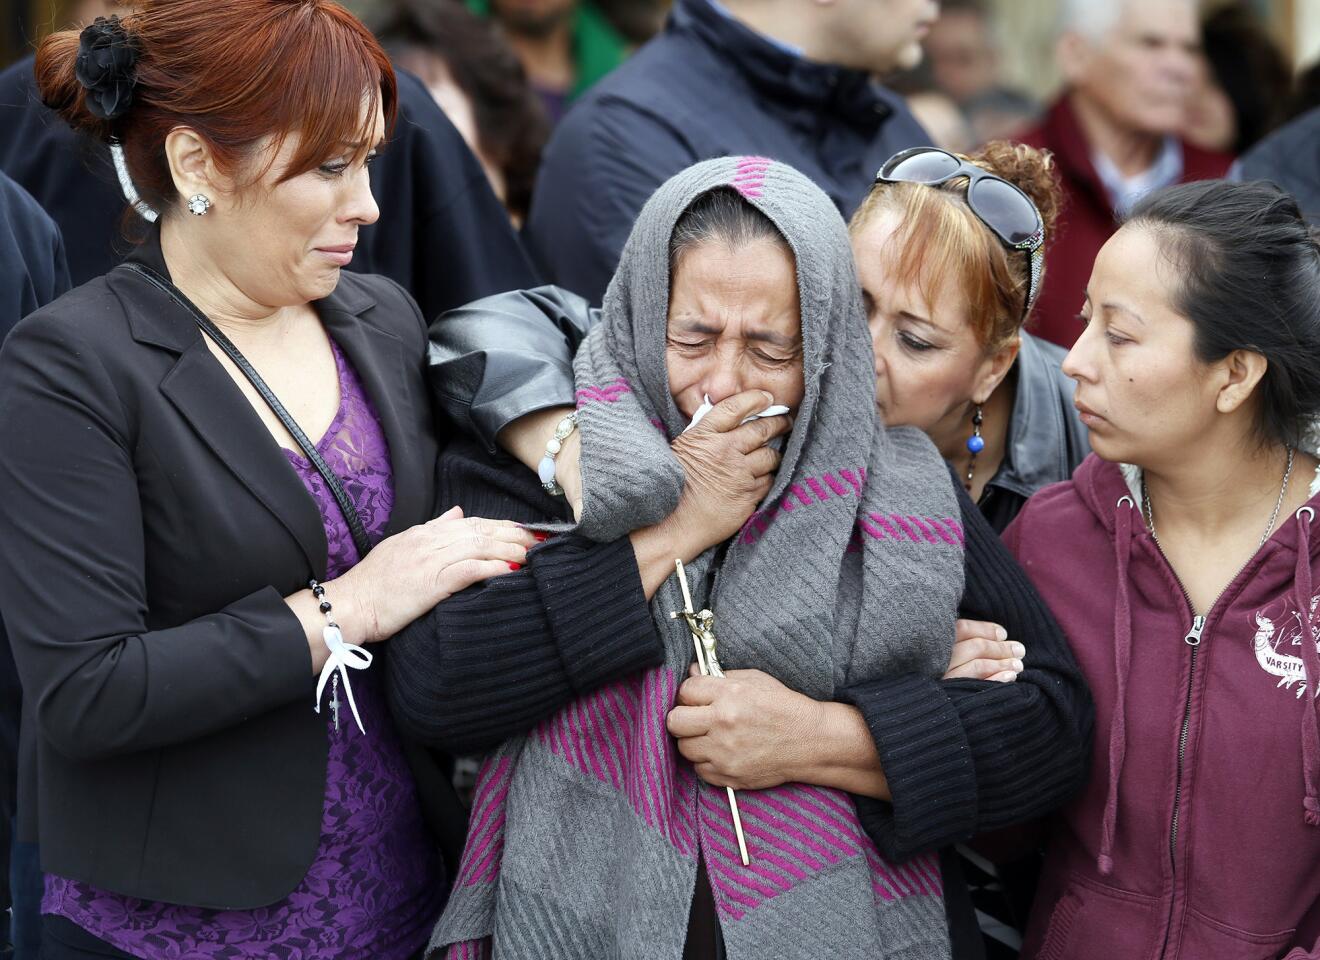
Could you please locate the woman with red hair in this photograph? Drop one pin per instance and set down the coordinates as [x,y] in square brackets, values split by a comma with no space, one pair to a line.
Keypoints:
[192,586]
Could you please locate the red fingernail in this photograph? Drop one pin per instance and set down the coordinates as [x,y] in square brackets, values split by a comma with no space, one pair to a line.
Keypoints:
[515,566]
[541,536]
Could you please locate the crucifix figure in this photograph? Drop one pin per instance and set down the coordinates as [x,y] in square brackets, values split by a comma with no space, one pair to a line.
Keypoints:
[702,626]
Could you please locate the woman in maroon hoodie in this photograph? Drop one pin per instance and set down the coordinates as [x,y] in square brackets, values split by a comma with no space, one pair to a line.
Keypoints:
[1181,561]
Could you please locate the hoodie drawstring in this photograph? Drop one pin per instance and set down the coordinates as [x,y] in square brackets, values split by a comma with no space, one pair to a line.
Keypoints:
[1122,664]
[1311,661]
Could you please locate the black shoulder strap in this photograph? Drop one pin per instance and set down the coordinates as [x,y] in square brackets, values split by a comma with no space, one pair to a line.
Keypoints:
[308,448]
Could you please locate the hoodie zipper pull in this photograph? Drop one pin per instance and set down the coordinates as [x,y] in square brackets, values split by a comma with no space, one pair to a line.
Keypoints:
[1193,638]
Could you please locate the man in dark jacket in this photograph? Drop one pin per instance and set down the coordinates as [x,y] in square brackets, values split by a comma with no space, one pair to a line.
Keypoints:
[1288,157]
[786,79]
[442,233]
[33,272]
[1129,66]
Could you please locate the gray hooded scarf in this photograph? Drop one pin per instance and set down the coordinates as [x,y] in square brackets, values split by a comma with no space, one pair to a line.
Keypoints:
[586,833]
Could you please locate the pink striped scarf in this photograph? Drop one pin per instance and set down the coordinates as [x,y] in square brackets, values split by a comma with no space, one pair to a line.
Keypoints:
[615,739]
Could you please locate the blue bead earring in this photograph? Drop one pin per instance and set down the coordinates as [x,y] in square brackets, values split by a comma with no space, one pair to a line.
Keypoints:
[975,444]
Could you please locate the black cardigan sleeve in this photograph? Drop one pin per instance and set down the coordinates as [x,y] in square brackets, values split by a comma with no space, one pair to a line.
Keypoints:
[966,756]
[492,661]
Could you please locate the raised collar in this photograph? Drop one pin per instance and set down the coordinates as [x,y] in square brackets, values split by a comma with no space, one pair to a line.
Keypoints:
[785,79]
[1125,191]
[790,49]
[170,326]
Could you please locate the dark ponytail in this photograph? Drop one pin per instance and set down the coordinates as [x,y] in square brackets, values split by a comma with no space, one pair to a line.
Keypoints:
[1249,279]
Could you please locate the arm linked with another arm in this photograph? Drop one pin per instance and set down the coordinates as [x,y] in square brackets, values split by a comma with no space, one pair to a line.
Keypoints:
[962,757]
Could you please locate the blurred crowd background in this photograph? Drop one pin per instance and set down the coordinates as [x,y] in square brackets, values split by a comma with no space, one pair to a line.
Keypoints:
[1153,104]
[990,65]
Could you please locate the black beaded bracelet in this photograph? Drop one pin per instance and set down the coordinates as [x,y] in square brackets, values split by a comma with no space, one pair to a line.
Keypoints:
[318,592]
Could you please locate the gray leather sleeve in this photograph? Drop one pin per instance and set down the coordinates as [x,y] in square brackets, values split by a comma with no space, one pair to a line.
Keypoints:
[505,356]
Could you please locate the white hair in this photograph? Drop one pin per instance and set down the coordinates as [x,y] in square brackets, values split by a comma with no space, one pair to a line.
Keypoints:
[1095,19]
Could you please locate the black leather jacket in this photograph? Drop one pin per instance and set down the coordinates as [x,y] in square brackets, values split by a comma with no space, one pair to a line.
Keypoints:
[505,356]
[511,354]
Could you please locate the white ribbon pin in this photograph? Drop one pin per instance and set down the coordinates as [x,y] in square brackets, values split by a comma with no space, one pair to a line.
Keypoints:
[343,657]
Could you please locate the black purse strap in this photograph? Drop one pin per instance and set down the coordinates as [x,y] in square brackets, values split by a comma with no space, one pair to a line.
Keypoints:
[350,513]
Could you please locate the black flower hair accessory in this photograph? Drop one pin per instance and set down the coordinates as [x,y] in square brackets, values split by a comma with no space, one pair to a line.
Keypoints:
[107,67]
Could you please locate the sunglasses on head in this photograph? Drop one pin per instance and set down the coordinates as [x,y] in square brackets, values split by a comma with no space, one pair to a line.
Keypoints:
[1006,210]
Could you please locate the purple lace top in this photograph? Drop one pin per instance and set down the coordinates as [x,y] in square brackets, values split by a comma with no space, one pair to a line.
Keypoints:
[375,886]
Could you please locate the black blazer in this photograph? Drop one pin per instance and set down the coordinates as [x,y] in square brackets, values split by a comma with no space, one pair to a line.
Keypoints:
[149,529]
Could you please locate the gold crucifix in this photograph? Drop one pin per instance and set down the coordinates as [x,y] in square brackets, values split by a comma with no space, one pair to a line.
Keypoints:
[702,626]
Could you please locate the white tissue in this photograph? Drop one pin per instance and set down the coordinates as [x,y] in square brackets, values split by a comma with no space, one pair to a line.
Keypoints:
[774,410]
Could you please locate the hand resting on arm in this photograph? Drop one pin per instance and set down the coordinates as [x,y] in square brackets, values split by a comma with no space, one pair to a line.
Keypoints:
[409,573]
[751,732]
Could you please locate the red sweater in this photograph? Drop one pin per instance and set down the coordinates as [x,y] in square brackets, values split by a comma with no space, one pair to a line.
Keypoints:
[1086,220]
[1198,834]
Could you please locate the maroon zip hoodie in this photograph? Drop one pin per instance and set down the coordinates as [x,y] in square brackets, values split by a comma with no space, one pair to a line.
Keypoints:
[1198,834]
